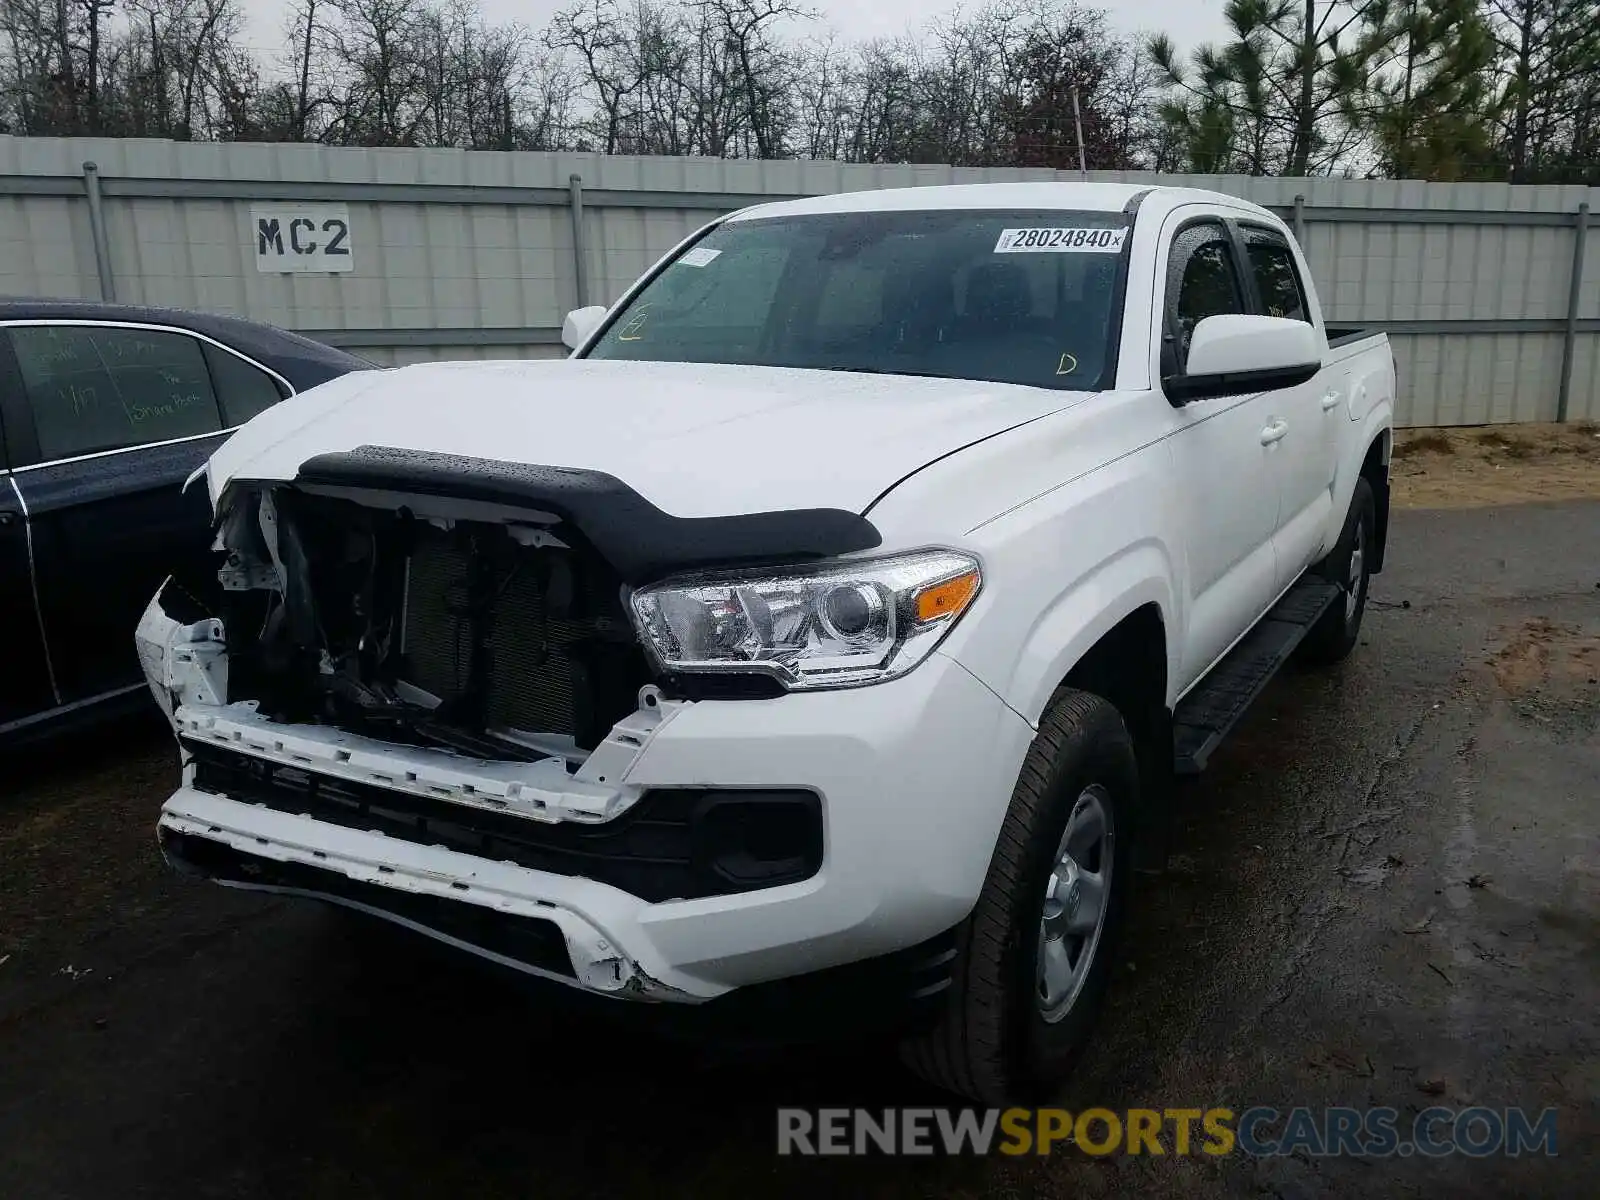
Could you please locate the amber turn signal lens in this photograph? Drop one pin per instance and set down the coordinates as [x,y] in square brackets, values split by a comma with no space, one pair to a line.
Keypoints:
[948,598]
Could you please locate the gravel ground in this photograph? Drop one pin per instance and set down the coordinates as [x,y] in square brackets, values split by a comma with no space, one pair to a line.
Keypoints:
[1385,891]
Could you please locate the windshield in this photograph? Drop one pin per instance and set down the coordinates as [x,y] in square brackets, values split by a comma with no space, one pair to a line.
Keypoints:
[1012,297]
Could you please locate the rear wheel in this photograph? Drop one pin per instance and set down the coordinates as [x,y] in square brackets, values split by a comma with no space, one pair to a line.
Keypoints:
[1034,958]
[1350,566]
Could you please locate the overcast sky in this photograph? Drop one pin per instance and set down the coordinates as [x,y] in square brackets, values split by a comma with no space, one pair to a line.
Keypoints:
[1188,21]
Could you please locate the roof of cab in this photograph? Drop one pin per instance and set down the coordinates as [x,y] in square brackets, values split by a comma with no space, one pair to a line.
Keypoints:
[1082,197]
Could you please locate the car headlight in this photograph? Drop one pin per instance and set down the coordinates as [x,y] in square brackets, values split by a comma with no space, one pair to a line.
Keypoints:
[841,624]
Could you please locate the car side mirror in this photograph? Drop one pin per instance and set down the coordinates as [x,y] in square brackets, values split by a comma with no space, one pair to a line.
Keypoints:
[580,323]
[1238,353]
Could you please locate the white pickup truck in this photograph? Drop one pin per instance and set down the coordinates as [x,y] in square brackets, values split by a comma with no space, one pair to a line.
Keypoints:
[836,617]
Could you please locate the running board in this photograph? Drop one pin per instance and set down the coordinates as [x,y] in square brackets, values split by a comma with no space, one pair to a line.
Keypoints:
[1208,713]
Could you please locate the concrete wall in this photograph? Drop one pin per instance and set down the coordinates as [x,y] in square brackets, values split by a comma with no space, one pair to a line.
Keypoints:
[458,255]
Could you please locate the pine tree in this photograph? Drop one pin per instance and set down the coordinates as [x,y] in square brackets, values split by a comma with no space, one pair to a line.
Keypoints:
[1427,98]
[1287,77]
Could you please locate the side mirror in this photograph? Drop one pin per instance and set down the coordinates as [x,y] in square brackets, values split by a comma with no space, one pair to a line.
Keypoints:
[580,323]
[1234,354]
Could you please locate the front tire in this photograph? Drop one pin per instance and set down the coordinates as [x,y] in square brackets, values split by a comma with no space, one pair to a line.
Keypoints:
[1034,957]
[1350,566]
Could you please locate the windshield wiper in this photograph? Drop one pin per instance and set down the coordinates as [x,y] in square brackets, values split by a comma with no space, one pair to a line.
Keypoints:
[888,371]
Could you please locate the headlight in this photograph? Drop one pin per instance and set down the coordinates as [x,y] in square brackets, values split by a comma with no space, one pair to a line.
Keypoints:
[843,624]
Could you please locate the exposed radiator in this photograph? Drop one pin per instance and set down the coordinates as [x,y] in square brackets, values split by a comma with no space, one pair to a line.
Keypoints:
[573,674]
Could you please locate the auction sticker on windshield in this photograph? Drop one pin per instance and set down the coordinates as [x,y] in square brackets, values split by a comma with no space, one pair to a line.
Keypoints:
[1060,241]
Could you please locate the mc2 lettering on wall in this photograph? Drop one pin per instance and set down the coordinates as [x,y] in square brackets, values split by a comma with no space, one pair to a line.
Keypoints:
[290,236]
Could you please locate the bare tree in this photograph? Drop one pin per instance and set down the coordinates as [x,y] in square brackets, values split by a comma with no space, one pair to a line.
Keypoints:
[304,30]
[764,68]
[545,98]
[1444,88]
[375,47]
[822,98]
[594,31]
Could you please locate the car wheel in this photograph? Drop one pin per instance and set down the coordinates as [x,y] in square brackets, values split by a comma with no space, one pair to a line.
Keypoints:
[1349,566]
[1034,957]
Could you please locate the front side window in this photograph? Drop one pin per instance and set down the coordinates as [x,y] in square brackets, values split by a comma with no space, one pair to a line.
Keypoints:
[1202,281]
[94,388]
[1012,297]
[1277,281]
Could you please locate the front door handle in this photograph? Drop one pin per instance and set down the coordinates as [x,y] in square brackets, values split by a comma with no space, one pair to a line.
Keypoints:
[1330,400]
[1274,432]
[8,518]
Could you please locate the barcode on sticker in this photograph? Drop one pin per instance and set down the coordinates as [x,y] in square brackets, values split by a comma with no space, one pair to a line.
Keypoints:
[1060,241]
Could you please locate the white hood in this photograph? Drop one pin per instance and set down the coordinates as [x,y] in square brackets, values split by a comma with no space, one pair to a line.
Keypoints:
[694,440]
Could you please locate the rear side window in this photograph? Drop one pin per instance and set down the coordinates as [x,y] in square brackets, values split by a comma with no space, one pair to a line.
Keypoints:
[94,388]
[243,390]
[1277,281]
[1202,281]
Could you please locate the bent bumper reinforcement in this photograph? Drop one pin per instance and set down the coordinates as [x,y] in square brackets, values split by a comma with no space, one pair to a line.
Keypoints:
[903,990]
[531,936]
[533,943]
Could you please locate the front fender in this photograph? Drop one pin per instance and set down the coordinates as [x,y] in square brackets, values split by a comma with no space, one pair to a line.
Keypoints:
[1081,616]
[1064,570]
[1085,525]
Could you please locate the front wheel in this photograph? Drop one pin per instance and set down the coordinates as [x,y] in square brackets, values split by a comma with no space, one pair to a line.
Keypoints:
[1034,957]
[1350,566]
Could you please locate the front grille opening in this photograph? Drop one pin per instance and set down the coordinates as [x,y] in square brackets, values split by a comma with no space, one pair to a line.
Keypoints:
[555,649]
[436,633]
[673,844]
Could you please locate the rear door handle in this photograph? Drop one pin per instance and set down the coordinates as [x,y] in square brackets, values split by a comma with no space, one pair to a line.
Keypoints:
[1274,432]
[1330,400]
[8,518]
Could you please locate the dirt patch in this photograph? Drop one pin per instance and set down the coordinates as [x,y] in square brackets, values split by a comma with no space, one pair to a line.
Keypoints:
[1501,464]
[1541,652]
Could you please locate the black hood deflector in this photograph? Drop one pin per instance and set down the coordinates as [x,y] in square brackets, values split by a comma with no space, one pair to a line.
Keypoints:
[637,539]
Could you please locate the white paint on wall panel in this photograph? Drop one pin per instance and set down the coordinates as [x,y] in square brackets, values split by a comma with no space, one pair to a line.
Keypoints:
[294,237]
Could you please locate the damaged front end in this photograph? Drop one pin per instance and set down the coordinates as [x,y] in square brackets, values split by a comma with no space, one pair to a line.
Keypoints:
[467,627]
[486,647]
[459,677]
[410,684]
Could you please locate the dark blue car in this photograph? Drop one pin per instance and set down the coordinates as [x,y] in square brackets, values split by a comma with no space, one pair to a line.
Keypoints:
[105,410]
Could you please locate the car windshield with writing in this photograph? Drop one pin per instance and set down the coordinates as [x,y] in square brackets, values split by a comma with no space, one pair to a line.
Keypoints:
[1010,297]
